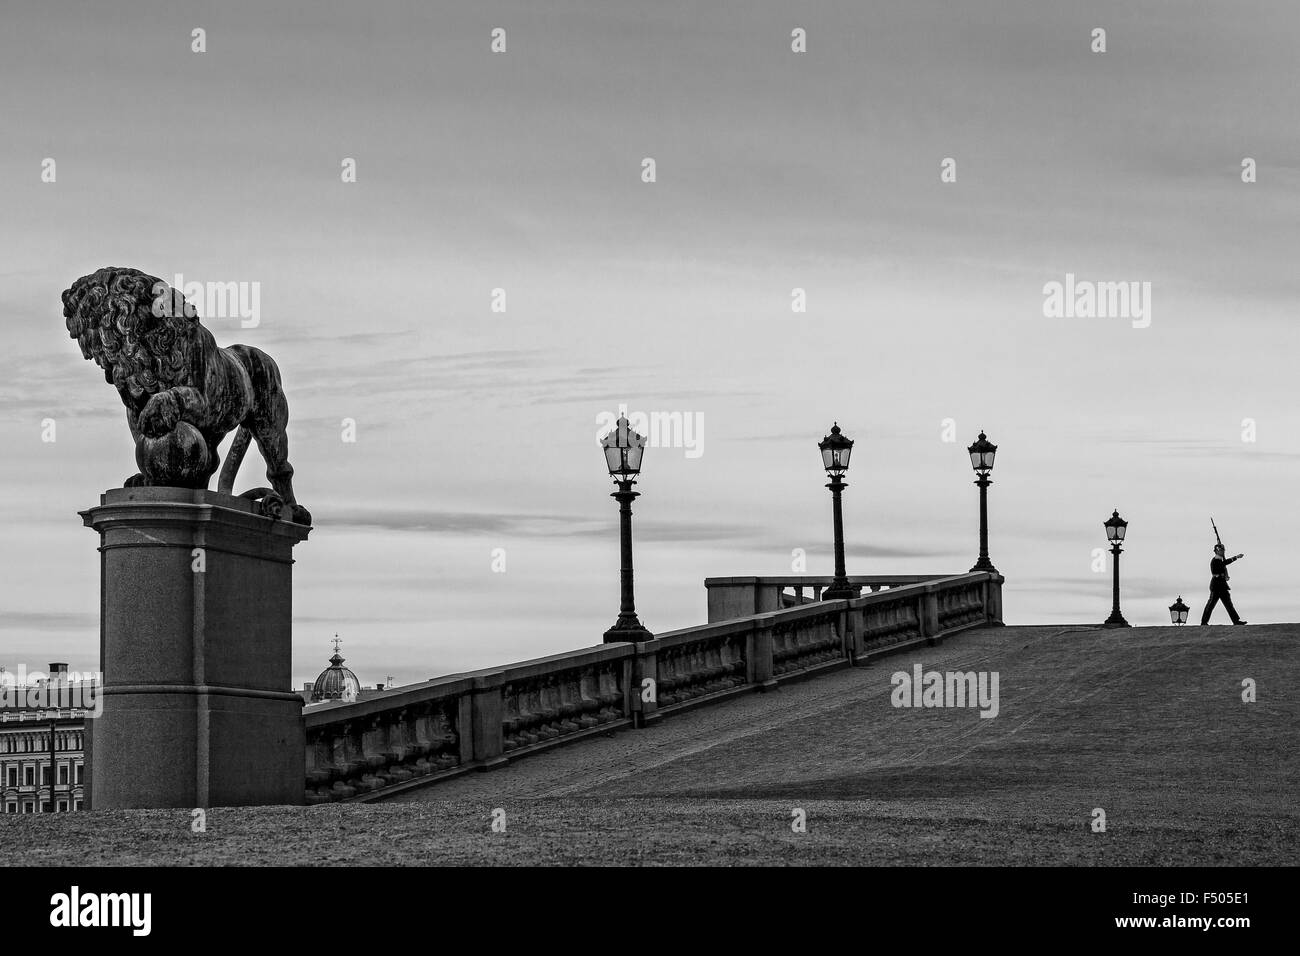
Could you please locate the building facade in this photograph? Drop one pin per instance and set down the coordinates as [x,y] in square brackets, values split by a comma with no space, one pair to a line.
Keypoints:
[42,745]
[28,769]
[35,780]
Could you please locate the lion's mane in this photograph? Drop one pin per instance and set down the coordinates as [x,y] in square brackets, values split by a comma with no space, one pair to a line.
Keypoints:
[111,314]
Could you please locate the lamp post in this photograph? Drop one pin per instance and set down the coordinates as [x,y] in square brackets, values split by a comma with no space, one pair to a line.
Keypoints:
[54,734]
[836,449]
[1115,528]
[1178,611]
[623,450]
[981,459]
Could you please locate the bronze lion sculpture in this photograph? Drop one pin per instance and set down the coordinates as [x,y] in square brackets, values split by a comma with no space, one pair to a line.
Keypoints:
[183,393]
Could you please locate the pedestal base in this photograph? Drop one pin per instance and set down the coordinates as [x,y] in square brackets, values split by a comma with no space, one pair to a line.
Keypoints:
[841,593]
[629,635]
[202,747]
[195,645]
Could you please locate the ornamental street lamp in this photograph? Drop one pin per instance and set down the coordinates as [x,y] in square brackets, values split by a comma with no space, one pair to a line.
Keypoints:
[981,459]
[1178,611]
[1115,528]
[836,449]
[623,450]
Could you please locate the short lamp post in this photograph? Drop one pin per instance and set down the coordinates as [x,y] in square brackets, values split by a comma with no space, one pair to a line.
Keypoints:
[623,450]
[981,459]
[836,449]
[1115,528]
[54,736]
[1178,611]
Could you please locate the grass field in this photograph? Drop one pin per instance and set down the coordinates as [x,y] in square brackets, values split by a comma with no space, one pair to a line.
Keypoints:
[1147,724]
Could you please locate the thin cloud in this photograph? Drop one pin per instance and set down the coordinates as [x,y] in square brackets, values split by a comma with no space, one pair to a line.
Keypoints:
[12,620]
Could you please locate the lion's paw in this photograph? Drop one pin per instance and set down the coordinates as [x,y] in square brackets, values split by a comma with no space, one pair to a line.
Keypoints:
[160,415]
[271,505]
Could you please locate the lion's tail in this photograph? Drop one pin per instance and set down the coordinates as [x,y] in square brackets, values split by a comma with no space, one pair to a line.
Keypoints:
[234,458]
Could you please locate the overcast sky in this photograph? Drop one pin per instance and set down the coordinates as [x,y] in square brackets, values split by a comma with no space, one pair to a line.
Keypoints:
[775,170]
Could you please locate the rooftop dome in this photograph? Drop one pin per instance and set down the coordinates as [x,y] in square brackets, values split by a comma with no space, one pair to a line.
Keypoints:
[335,682]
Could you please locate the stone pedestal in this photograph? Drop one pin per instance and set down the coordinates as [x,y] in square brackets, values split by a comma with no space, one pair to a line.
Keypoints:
[994,601]
[195,611]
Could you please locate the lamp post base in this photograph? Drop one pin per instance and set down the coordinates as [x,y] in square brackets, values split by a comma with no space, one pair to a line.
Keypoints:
[984,564]
[627,632]
[840,592]
[1115,620]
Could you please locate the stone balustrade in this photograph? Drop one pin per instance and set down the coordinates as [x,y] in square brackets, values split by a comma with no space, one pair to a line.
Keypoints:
[413,735]
[417,731]
[696,663]
[738,596]
[560,696]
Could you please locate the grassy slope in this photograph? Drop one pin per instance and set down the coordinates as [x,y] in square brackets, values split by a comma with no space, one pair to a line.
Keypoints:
[1147,724]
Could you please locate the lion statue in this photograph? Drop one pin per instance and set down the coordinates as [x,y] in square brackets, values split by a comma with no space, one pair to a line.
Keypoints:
[183,393]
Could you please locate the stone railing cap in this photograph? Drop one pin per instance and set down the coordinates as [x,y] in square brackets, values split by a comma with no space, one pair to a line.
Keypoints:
[813,580]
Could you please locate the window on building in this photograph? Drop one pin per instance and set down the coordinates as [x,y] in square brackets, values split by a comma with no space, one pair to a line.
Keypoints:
[29,776]
[28,806]
[45,775]
[12,777]
[80,768]
[63,806]
[63,773]
[45,806]
[76,804]
[11,808]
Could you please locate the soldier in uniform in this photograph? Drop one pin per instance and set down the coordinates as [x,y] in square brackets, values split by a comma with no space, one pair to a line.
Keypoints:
[1219,586]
